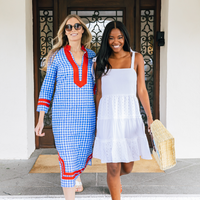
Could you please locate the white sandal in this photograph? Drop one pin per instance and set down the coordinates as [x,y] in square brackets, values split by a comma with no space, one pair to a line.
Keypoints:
[78,186]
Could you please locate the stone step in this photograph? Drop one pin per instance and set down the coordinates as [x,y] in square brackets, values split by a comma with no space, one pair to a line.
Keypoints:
[106,197]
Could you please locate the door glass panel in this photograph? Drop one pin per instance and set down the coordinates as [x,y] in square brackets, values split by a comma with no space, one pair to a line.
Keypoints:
[119,13]
[147,50]
[46,37]
[96,22]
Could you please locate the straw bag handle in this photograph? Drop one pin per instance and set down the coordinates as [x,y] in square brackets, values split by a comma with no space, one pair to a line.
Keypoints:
[152,143]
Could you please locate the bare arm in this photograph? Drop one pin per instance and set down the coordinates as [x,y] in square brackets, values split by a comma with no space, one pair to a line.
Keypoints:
[141,87]
[98,93]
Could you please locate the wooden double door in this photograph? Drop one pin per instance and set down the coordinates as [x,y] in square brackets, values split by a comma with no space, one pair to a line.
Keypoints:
[141,17]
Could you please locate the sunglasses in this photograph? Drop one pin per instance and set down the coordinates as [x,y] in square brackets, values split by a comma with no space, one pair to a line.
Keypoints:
[77,26]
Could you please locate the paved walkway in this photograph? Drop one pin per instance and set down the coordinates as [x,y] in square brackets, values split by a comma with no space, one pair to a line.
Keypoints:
[106,197]
[176,183]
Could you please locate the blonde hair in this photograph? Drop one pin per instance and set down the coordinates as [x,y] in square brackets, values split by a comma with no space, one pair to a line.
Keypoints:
[62,40]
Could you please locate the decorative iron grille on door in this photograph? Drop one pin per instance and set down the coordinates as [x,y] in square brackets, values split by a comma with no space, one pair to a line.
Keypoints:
[96,21]
[147,50]
[46,37]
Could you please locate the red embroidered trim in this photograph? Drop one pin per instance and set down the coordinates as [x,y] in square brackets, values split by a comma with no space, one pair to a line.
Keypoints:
[43,104]
[75,67]
[71,175]
[45,100]
[94,89]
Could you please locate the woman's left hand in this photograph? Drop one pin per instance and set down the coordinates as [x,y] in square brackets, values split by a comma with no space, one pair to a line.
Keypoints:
[150,121]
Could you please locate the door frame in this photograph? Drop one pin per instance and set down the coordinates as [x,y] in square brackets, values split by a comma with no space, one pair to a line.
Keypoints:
[132,23]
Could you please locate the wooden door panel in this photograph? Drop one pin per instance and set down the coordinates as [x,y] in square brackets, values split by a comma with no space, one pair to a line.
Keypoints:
[148,3]
[126,5]
[45,4]
[38,6]
[48,140]
[99,4]
[132,20]
[157,62]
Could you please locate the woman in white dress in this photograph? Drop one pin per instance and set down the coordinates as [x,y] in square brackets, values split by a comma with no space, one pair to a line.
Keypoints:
[120,79]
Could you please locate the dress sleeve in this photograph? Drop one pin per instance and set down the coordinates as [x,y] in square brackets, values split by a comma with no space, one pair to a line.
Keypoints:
[47,88]
[93,72]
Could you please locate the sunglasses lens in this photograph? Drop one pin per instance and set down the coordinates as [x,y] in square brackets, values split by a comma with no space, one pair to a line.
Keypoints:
[77,26]
[68,27]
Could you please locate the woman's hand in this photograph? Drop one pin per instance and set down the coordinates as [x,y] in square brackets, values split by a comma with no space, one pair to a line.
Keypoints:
[38,129]
[150,121]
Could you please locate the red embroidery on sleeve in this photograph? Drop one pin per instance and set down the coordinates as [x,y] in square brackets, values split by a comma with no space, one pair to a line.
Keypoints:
[44,102]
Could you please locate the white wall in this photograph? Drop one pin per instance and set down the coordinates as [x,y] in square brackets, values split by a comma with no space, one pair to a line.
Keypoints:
[180,74]
[17,140]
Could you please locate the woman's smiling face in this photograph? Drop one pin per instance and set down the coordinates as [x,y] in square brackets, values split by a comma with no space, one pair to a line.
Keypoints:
[74,34]
[116,40]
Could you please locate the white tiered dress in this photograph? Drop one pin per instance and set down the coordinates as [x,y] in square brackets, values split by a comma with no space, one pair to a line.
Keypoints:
[120,128]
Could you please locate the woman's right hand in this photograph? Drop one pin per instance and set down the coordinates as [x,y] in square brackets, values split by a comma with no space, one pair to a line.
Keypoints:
[38,129]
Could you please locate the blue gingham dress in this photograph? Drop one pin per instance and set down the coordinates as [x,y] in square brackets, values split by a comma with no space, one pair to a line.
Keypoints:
[73,114]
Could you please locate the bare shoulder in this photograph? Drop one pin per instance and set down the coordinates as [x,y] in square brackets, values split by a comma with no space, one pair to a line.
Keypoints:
[139,63]
[138,58]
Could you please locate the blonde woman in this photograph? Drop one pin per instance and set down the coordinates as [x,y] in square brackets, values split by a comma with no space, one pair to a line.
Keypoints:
[69,63]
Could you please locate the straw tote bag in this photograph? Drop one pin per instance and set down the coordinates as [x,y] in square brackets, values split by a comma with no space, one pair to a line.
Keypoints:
[163,145]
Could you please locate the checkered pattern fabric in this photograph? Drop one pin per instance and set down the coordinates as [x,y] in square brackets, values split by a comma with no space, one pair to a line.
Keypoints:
[73,115]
